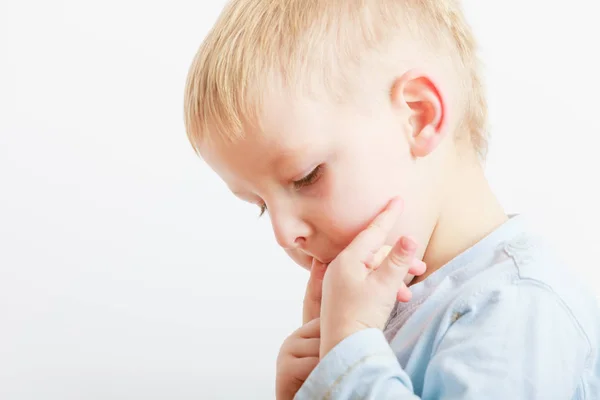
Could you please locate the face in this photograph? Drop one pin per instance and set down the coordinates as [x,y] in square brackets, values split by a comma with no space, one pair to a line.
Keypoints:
[323,172]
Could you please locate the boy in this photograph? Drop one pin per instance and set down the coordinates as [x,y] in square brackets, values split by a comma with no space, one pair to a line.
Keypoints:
[358,124]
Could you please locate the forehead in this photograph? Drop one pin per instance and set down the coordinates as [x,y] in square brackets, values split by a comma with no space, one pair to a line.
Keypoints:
[258,151]
[290,132]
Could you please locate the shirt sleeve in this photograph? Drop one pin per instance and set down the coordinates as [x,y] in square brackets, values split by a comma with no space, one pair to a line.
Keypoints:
[361,366]
[520,342]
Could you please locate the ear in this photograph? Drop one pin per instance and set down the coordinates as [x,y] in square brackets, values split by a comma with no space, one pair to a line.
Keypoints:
[418,94]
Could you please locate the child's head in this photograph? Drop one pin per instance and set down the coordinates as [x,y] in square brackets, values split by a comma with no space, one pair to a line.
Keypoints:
[321,111]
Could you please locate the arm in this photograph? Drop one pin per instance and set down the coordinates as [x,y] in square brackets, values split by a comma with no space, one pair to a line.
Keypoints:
[520,342]
[361,366]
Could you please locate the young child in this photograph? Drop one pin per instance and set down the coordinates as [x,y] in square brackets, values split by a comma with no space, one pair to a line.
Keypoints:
[361,123]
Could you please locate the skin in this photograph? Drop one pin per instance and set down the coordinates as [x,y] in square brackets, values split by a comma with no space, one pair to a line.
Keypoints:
[325,171]
[385,272]
[326,174]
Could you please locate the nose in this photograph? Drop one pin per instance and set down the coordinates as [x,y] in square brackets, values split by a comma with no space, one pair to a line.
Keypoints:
[291,230]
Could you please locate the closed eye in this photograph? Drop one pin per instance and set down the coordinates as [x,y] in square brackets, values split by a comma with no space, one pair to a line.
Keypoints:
[310,178]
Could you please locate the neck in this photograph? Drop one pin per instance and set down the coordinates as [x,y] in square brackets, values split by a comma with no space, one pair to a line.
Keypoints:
[470,213]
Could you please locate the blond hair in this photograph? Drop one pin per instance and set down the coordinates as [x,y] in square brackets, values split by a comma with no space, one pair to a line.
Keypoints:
[316,45]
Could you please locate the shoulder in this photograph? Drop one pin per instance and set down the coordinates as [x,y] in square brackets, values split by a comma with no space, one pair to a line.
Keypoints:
[540,271]
[528,290]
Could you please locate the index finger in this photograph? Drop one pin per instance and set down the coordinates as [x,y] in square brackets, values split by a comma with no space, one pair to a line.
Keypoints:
[374,236]
[314,291]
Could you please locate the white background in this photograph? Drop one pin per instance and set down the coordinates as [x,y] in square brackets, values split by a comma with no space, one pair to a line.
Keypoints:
[127,270]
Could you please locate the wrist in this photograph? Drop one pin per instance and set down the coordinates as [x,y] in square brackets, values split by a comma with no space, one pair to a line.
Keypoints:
[330,338]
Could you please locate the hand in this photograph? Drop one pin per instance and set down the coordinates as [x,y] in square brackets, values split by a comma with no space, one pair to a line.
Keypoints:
[314,292]
[356,293]
[416,268]
[299,354]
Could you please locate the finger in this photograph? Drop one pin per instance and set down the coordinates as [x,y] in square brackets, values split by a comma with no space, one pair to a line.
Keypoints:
[396,265]
[309,330]
[376,259]
[417,267]
[404,294]
[314,291]
[304,366]
[408,279]
[305,347]
[370,240]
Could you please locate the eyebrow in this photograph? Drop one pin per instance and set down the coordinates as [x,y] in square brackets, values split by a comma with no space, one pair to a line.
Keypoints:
[291,155]
[284,158]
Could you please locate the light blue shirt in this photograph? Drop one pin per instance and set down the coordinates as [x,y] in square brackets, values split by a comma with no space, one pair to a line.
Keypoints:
[503,320]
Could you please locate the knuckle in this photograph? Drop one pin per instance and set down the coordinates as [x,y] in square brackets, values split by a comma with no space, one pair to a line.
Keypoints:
[284,346]
[289,341]
[399,272]
[398,260]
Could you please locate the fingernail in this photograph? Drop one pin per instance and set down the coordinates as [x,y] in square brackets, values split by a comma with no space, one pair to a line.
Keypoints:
[408,244]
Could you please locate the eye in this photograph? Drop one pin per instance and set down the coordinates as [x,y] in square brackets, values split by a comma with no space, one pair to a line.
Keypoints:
[310,178]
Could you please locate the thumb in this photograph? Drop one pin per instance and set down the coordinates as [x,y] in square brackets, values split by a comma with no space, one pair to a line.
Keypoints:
[394,268]
[314,291]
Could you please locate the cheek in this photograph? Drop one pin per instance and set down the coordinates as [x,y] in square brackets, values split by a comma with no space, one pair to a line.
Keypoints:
[350,205]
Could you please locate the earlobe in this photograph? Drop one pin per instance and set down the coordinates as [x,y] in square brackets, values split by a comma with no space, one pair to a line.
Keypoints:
[425,141]
[419,97]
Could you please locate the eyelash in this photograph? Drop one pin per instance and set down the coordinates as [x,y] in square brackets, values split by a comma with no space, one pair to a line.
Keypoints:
[308,180]
[263,210]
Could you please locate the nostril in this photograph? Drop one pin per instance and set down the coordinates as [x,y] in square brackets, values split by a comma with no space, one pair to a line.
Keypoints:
[300,241]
